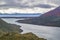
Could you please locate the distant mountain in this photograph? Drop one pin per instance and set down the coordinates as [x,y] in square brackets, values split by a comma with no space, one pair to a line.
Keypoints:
[51,18]
[19,15]
[5,27]
[55,12]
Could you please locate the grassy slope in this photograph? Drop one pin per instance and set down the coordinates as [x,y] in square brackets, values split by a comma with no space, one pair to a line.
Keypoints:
[5,27]
[17,36]
[12,32]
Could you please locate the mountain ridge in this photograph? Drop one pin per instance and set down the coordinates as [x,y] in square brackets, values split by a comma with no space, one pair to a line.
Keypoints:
[51,18]
[55,12]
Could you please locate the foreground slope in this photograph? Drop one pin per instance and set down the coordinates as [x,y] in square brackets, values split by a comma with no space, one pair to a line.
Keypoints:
[5,27]
[18,36]
[12,32]
[51,18]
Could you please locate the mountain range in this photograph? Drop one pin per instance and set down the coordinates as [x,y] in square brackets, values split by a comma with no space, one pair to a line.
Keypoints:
[20,15]
[51,18]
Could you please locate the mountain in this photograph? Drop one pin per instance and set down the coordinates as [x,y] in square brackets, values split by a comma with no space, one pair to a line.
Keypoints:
[51,18]
[20,15]
[55,12]
[5,27]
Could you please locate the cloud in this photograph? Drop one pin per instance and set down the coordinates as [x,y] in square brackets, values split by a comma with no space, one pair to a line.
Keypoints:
[57,2]
[2,2]
[25,10]
[25,3]
[27,6]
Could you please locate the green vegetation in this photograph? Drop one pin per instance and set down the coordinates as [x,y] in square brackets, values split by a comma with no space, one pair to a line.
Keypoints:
[13,32]
[5,27]
[17,36]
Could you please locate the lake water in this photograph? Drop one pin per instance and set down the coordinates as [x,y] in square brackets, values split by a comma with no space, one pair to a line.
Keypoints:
[49,33]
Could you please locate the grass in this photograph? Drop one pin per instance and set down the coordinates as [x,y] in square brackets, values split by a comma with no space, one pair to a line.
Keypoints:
[17,36]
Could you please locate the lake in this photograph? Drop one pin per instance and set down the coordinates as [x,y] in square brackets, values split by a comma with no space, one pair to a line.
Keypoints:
[47,32]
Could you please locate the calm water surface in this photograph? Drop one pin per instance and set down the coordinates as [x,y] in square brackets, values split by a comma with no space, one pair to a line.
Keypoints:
[50,33]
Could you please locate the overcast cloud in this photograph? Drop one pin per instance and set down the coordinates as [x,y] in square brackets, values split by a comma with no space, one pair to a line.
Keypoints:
[27,3]
[27,6]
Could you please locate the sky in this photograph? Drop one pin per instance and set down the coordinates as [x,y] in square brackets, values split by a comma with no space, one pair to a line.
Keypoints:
[27,6]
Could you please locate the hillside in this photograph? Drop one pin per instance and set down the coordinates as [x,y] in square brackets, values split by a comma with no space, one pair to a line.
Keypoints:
[18,36]
[5,27]
[51,18]
[12,32]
